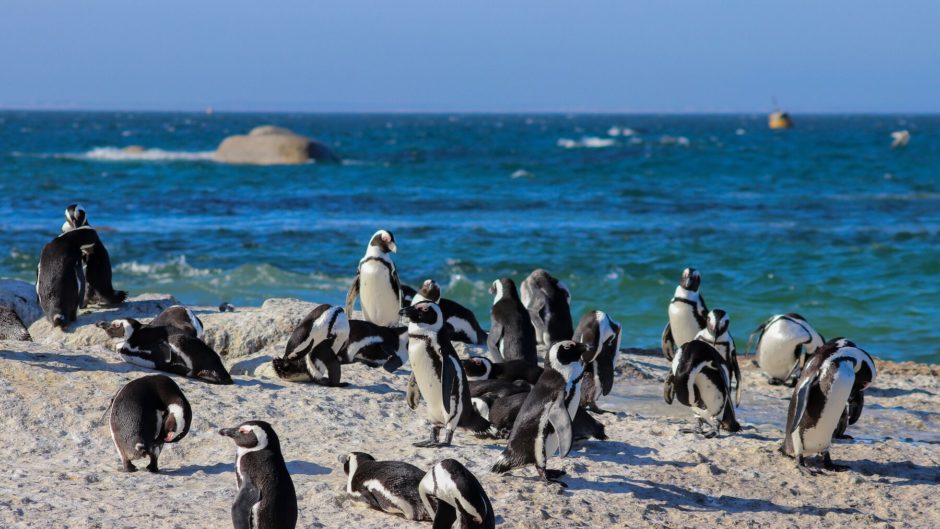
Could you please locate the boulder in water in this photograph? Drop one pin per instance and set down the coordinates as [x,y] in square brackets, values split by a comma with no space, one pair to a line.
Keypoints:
[270,145]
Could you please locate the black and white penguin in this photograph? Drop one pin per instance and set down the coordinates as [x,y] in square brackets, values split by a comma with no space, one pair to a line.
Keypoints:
[717,334]
[60,277]
[388,486]
[96,261]
[11,326]
[496,387]
[784,342]
[601,335]
[512,336]
[547,299]
[438,377]
[314,349]
[701,379]
[838,373]
[502,411]
[407,294]
[543,427]
[461,323]
[180,320]
[687,313]
[145,414]
[266,498]
[456,498]
[482,368]
[376,346]
[376,284]
[165,349]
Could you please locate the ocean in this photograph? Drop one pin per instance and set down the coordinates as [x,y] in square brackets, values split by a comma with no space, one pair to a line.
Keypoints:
[824,219]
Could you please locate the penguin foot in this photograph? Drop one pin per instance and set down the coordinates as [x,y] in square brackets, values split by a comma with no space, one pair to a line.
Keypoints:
[599,411]
[425,444]
[829,465]
[710,434]
[843,436]
[554,474]
[775,381]
[152,467]
[128,467]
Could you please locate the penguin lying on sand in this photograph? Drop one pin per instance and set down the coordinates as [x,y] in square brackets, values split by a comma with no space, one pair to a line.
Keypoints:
[389,486]
[376,346]
[315,347]
[482,368]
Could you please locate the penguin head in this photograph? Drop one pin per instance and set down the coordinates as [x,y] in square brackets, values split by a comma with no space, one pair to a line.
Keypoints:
[251,436]
[384,241]
[691,279]
[478,367]
[176,421]
[503,287]
[75,217]
[352,460]
[718,322]
[122,328]
[566,358]
[430,290]
[425,315]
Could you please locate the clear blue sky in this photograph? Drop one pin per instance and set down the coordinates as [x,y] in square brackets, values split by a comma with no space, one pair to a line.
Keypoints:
[448,55]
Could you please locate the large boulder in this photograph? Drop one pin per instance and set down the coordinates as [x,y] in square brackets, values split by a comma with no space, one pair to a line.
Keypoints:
[20,297]
[270,145]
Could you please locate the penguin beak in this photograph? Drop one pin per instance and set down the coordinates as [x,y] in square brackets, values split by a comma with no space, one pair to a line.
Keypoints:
[102,324]
[407,312]
[492,289]
[393,247]
[169,436]
[229,432]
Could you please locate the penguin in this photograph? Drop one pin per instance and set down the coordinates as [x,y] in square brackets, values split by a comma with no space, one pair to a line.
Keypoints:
[837,371]
[687,313]
[96,263]
[180,320]
[502,413]
[376,346]
[461,323]
[145,414]
[717,335]
[376,284]
[315,347]
[547,299]
[60,277]
[266,497]
[482,368]
[388,486]
[407,294]
[784,342]
[11,326]
[456,498]
[700,378]
[543,427]
[438,377]
[165,349]
[497,387]
[602,336]
[512,336]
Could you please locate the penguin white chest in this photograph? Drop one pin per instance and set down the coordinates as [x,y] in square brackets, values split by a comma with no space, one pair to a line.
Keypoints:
[817,438]
[379,300]
[429,382]
[713,397]
[683,323]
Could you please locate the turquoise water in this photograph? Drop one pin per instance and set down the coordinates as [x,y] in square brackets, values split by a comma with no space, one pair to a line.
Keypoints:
[825,219]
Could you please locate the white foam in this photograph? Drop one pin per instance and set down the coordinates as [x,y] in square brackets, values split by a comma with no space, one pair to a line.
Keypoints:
[117,154]
[586,142]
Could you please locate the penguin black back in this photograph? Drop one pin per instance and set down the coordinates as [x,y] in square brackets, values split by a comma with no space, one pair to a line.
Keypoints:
[512,336]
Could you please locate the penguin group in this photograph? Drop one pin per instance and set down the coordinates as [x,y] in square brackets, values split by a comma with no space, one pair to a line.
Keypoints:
[534,382]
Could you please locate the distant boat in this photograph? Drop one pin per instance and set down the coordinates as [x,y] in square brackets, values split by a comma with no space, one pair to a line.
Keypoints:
[209,111]
[779,120]
[899,138]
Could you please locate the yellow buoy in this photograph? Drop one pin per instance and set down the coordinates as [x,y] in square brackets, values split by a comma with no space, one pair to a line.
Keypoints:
[779,120]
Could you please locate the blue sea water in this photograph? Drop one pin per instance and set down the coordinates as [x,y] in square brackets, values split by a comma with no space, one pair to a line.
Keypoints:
[824,219]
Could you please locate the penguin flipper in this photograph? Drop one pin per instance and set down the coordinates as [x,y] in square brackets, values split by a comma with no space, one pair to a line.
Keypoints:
[560,420]
[856,403]
[492,340]
[300,335]
[802,398]
[412,393]
[353,294]
[668,342]
[248,496]
[445,517]
[669,388]
[449,376]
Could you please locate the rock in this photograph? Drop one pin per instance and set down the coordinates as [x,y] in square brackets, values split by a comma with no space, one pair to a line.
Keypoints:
[269,145]
[21,297]
[251,330]
[11,327]
[133,149]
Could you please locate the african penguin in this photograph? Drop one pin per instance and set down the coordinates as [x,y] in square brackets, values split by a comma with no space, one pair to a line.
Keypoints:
[496,387]
[601,335]
[784,342]
[717,335]
[145,414]
[314,348]
[11,326]
[438,377]
[96,262]
[165,349]
[461,323]
[376,346]
[456,498]
[547,300]
[687,313]
[543,427]
[266,498]
[700,378]
[179,320]
[60,277]
[376,284]
[482,368]
[837,371]
[389,486]
[512,336]
[502,411]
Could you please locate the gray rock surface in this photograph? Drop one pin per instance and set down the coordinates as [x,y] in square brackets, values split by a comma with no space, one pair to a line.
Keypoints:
[269,145]
[21,297]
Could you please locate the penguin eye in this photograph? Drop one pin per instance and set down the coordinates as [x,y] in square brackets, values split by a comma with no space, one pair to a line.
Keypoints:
[244,429]
[424,309]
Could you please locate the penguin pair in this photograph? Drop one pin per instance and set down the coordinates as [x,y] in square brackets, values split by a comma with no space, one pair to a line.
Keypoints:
[146,414]
[502,407]
[315,348]
[601,335]
[60,278]
[376,283]
[688,314]
[717,334]
[784,342]
[828,395]
[460,322]
[171,343]
[700,378]
[512,336]
[548,302]
[96,263]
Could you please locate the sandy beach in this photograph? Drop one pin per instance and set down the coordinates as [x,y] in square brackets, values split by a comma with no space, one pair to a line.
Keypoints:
[62,468]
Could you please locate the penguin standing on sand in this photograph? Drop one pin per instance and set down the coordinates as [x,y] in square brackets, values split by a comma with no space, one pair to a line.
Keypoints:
[512,336]
[482,368]
[838,371]
[461,323]
[701,379]
[601,334]
[543,427]
[547,299]
[389,486]
[376,346]
[438,377]
[96,262]
[266,498]
[717,335]
[687,313]
[145,414]
[60,277]
[315,347]
[456,498]
[376,284]
[784,342]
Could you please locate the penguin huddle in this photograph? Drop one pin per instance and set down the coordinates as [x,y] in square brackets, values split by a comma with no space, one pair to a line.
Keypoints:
[828,378]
